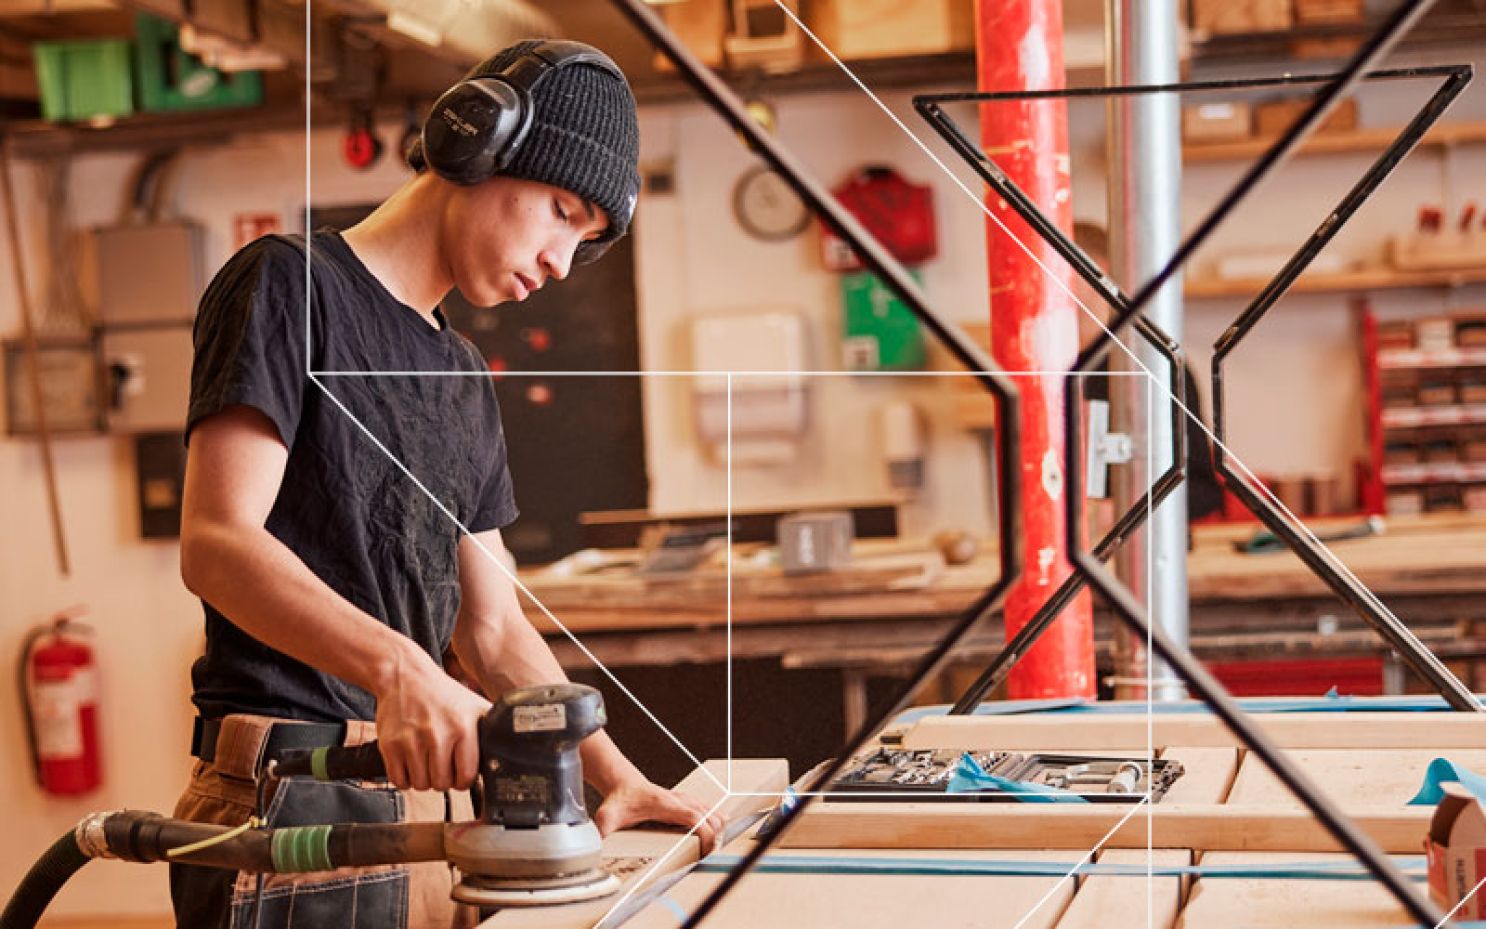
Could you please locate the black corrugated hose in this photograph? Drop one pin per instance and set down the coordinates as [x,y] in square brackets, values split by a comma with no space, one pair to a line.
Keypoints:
[42,882]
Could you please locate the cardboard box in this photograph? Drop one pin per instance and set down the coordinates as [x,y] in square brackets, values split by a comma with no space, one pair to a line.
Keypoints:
[1456,851]
[1222,17]
[1436,393]
[855,29]
[1470,331]
[1475,502]
[764,37]
[1395,334]
[701,25]
[1434,332]
[1273,117]
[1404,503]
[1216,122]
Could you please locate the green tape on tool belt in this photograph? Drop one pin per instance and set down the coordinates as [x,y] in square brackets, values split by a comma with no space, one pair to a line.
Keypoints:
[317,764]
[1412,865]
[302,848]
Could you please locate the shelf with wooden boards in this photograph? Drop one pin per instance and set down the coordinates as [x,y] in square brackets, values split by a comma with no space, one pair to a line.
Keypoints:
[1336,143]
[1346,282]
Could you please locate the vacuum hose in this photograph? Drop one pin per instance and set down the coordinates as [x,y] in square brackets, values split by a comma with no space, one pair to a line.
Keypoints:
[42,882]
[133,835]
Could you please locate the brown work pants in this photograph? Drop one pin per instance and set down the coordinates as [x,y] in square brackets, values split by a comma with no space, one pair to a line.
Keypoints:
[223,791]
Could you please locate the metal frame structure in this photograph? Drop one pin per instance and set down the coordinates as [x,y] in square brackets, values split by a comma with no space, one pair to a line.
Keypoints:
[1395,633]
[1132,519]
[1085,267]
[728,105]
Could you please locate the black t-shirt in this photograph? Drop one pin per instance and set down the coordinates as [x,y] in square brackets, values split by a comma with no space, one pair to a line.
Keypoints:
[346,505]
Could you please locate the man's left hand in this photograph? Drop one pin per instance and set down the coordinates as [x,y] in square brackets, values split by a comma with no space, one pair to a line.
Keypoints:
[643,801]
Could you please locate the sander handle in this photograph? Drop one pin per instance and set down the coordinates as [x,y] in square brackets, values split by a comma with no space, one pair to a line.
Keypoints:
[334,763]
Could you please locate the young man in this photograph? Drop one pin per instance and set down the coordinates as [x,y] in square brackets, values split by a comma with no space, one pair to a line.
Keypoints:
[323,485]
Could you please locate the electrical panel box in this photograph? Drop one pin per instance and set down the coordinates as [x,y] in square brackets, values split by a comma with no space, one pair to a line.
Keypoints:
[149,377]
[71,387]
[149,273]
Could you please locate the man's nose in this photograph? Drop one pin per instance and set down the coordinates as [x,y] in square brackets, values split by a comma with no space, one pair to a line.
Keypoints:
[558,260]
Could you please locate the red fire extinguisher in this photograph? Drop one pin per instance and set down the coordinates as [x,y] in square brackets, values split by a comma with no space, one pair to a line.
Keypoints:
[59,694]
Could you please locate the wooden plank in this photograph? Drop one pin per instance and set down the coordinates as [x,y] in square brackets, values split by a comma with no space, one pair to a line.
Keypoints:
[1438,731]
[1377,777]
[892,901]
[1227,903]
[1207,774]
[1103,902]
[1081,826]
[631,854]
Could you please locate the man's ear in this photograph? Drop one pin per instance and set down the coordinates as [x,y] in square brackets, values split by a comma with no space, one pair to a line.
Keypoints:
[413,155]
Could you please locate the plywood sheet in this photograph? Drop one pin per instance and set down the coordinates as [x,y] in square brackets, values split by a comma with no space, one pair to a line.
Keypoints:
[1103,902]
[1207,774]
[1083,825]
[1280,904]
[1378,777]
[875,901]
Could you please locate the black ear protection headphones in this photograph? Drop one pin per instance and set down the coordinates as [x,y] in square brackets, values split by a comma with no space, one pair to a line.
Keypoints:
[478,125]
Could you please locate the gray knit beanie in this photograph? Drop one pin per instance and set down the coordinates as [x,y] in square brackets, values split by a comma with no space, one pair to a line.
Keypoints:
[584,137]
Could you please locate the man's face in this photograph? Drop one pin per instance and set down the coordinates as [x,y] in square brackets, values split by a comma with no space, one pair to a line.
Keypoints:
[506,237]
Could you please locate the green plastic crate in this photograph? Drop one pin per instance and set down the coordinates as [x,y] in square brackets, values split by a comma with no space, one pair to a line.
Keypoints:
[83,80]
[171,80]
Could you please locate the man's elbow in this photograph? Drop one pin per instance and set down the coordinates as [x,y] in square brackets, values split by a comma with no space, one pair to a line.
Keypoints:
[197,556]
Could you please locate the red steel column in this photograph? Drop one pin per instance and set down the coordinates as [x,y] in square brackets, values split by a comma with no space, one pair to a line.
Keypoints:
[1033,324]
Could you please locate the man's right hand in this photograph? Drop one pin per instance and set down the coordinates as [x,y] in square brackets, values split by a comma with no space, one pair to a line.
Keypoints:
[427,725]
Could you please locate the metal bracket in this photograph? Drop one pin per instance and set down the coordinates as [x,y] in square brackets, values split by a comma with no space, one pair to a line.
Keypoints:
[1105,448]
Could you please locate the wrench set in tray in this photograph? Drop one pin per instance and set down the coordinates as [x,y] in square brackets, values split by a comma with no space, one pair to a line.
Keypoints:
[926,775]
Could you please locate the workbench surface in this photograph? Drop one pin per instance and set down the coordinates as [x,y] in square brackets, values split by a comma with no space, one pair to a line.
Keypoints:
[1439,556]
[1372,780]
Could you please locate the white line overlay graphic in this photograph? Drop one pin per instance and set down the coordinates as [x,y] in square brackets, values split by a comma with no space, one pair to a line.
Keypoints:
[726,784]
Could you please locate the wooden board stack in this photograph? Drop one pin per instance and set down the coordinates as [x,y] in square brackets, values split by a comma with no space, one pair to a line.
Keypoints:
[1228,809]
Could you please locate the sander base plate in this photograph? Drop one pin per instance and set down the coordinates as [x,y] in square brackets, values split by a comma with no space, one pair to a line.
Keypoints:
[534,891]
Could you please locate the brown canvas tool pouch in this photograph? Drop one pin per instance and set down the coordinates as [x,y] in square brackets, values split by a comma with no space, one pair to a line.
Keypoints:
[223,791]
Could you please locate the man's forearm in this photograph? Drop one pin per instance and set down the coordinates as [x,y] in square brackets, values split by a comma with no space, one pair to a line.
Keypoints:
[267,591]
[508,652]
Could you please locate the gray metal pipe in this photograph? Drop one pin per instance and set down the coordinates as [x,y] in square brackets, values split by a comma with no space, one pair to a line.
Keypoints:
[1144,176]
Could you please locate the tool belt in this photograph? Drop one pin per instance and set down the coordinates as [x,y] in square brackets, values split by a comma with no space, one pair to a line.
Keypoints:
[242,744]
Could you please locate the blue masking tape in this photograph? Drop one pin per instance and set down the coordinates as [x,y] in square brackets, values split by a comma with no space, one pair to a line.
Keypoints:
[970,777]
[1441,770]
[1412,865]
[1418,703]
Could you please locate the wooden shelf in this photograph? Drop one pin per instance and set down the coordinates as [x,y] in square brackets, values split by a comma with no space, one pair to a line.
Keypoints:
[1335,143]
[952,69]
[1349,282]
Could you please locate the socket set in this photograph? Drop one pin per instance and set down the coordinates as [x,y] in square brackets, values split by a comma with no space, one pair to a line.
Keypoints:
[925,775]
